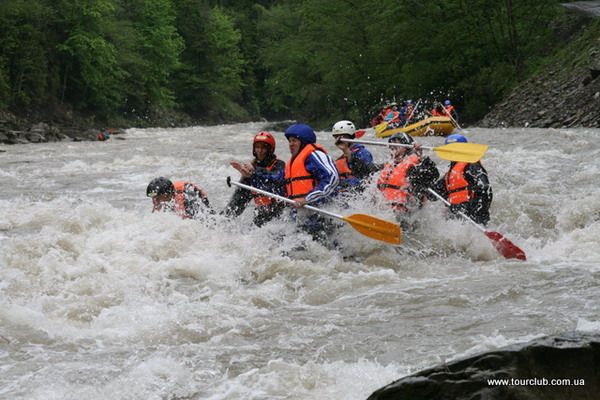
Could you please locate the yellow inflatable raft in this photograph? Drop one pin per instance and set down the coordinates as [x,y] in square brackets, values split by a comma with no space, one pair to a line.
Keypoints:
[432,126]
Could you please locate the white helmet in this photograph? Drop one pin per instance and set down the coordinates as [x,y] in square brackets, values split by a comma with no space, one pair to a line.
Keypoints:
[343,128]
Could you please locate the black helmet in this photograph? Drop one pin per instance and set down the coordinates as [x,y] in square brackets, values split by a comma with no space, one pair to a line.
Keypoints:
[401,137]
[159,186]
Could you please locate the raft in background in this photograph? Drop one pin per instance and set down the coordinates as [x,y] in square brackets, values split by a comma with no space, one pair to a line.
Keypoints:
[432,126]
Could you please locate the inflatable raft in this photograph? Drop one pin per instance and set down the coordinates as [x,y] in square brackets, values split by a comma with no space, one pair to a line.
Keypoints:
[432,126]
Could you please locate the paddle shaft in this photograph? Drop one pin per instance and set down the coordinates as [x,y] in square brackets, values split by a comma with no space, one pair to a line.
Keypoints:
[410,146]
[462,214]
[450,116]
[411,114]
[284,199]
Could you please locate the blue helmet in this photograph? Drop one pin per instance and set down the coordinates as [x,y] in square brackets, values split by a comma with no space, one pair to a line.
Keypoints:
[302,132]
[447,102]
[456,138]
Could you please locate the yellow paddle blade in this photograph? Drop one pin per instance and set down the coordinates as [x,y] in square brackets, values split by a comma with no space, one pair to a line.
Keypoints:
[375,228]
[462,152]
[380,128]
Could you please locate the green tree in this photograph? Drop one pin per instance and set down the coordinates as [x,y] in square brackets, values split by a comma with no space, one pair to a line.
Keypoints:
[150,54]
[23,52]
[210,81]
[91,77]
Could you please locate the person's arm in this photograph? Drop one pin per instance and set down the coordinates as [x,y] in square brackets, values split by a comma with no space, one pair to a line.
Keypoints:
[361,163]
[270,180]
[322,167]
[201,195]
[423,176]
[239,200]
[440,188]
[479,182]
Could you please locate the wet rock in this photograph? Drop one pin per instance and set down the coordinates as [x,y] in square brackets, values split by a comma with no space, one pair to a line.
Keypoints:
[561,95]
[551,368]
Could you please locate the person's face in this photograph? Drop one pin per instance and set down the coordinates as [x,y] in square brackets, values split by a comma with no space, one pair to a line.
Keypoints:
[261,150]
[398,152]
[159,201]
[338,140]
[295,145]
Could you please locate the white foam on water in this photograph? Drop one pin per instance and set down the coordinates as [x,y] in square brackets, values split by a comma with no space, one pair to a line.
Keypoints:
[100,298]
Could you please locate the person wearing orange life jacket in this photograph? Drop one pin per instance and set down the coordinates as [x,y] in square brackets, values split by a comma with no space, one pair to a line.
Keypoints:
[405,179]
[450,110]
[394,118]
[438,111]
[356,162]
[466,186]
[265,172]
[182,198]
[310,178]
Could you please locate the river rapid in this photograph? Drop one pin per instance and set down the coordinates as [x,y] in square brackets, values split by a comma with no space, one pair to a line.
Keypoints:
[102,299]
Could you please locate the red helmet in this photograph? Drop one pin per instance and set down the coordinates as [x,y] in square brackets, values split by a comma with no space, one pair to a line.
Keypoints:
[265,137]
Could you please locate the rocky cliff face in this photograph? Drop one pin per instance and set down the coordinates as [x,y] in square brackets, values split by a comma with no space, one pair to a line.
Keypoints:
[564,94]
[552,368]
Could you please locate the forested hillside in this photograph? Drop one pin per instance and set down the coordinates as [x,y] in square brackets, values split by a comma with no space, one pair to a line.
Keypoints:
[237,60]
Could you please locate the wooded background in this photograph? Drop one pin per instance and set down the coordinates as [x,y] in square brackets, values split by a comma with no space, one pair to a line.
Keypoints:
[311,60]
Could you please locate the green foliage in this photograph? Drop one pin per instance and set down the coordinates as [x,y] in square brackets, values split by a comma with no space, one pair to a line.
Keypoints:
[23,58]
[210,79]
[151,53]
[312,60]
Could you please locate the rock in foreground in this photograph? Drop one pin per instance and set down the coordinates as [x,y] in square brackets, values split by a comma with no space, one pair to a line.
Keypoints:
[566,367]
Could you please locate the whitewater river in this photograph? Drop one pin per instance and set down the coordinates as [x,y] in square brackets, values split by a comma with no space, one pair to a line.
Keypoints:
[101,299]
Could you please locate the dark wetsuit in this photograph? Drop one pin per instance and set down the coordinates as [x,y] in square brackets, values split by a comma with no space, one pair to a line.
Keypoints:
[478,208]
[268,175]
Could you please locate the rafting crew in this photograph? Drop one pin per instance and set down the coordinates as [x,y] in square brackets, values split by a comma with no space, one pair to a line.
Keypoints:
[265,172]
[466,186]
[404,180]
[355,165]
[311,178]
[183,198]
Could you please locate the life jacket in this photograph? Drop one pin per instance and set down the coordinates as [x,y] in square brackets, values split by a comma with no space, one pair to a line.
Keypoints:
[392,116]
[436,113]
[449,109]
[457,185]
[343,168]
[393,182]
[181,203]
[298,180]
[259,199]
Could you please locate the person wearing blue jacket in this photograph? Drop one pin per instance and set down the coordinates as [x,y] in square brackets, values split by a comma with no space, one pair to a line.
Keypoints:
[310,176]
[355,165]
[265,172]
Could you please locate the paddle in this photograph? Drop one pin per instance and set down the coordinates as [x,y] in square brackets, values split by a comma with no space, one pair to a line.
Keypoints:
[380,128]
[458,151]
[411,114]
[368,225]
[504,246]
[450,116]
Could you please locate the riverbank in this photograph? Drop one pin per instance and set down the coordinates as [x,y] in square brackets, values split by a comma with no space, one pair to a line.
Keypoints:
[565,93]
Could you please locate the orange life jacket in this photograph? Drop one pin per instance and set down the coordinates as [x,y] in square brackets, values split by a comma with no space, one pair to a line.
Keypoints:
[457,185]
[393,182]
[298,180]
[436,113]
[343,168]
[180,188]
[395,116]
[449,109]
[261,200]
